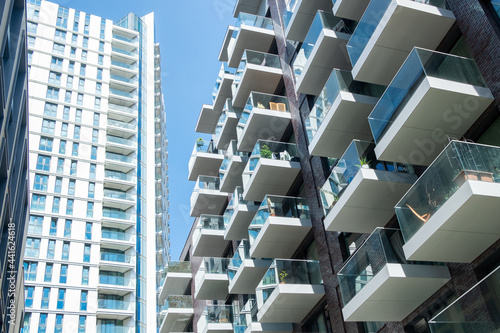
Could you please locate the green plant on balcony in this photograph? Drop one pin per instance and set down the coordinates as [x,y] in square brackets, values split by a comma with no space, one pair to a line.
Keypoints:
[364,163]
[266,152]
[200,142]
[283,274]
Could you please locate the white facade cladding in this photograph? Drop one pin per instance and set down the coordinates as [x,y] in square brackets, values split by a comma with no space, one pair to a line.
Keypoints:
[97,154]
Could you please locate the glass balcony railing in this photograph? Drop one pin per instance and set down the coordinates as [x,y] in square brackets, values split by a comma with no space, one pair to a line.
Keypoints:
[122,51]
[120,158]
[122,141]
[117,235]
[116,214]
[121,124]
[272,150]
[123,79]
[211,222]
[108,328]
[122,93]
[215,265]
[255,58]
[124,65]
[110,174]
[225,70]
[288,13]
[322,20]
[203,146]
[457,163]
[228,157]
[369,22]
[178,302]
[116,257]
[419,65]
[207,183]
[263,101]
[277,206]
[242,253]
[236,199]
[117,107]
[246,316]
[360,154]
[113,304]
[116,280]
[288,272]
[118,195]
[252,21]
[461,316]
[176,267]
[338,81]
[125,39]
[219,314]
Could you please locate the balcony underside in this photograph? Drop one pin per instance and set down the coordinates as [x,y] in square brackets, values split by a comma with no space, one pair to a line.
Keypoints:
[395,292]
[228,132]
[248,276]
[263,124]
[115,289]
[249,38]
[256,78]
[206,164]
[463,228]
[175,284]
[115,266]
[223,53]
[208,202]
[349,9]
[232,178]
[114,314]
[176,320]
[237,228]
[207,121]
[212,286]
[210,243]
[269,328]
[303,16]
[246,6]
[345,121]
[224,92]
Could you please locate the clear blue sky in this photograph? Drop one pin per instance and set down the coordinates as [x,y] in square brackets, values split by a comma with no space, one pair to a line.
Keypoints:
[190,33]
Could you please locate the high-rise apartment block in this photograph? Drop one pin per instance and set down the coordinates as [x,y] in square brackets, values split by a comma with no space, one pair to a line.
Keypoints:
[352,183]
[97,239]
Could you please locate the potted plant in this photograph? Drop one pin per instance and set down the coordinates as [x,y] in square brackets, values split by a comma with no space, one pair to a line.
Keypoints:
[283,275]
[266,152]
[364,163]
[200,142]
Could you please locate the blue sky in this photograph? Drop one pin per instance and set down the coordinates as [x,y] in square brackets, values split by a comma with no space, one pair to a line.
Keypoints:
[190,34]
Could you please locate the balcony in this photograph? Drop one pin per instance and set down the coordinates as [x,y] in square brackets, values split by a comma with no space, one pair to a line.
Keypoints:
[223,53]
[118,285]
[117,218]
[216,319]
[258,71]
[119,199]
[388,31]
[238,216]
[121,128]
[116,261]
[122,113]
[434,95]
[119,240]
[272,168]
[351,196]
[222,89]
[462,315]
[177,278]
[245,272]
[208,237]
[339,114]
[119,162]
[211,280]
[289,290]
[324,49]
[206,197]
[119,180]
[349,9]
[451,212]
[225,131]
[232,167]
[279,227]
[246,321]
[246,6]
[207,120]
[177,311]
[205,160]
[119,145]
[378,284]
[251,32]
[114,309]
[299,14]
[264,116]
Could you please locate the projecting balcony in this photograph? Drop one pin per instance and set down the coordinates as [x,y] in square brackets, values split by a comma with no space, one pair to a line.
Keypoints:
[434,95]
[104,328]
[244,271]
[279,227]
[378,284]
[246,6]
[208,237]
[119,199]
[118,239]
[118,145]
[349,9]
[272,168]
[251,32]
[177,313]
[116,261]
[360,193]
[205,159]
[119,162]
[475,311]
[451,213]
[324,49]
[117,285]
[119,180]
[121,128]
[117,218]
[258,71]
[238,216]
[264,116]
[211,280]
[122,97]
[246,321]
[115,309]
[122,113]
[339,114]
[232,167]
[216,319]
[177,277]
[223,54]
[299,14]
[289,290]
[225,131]
[222,89]
[207,120]
[206,197]
[388,31]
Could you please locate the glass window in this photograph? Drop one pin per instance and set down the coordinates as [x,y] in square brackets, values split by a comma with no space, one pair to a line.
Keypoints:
[85,42]
[55,205]
[28,298]
[60,35]
[100,59]
[96,119]
[76,21]
[76,133]
[67,96]
[60,165]
[41,182]
[99,73]
[67,228]
[45,143]
[74,39]
[56,63]
[83,301]
[78,116]
[31,43]
[62,17]
[45,298]
[85,276]
[63,277]
[98,88]
[32,27]
[95,135]
[101,46]
[48,126]
[97,103]
[51,249]
[93,153]
[66,113]
[88,230]
[71,187]
[43,163]
[69,207]
[35,224]
[50,109]
[27,322]
[52,93]
[42,323]
[32,248]
[54,78]
[60,299]
[71,67]
[92,171]
[496,6]
[30,270]
[38,202]
[74,151]
[59,323]
[82,319]
[48,272]
[91,190]
[58,49]
[86,253]
[64,130]
[58,185]
[62,147]
[53,227]
[69,82]
[81,84]
[90,209]
[84,55]
[65,254]
[72,170]
[72,52]
[79,99]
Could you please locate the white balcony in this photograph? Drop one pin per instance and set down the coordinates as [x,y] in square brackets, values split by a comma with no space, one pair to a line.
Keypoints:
[232,167]
[434,95]
[451,213]
[238,216]
[378,284]
[388,31]
[246,6]
[205,160]
[351,196]
[211,280]
[223,53]
[289,290]
[257,72]
[114,309]
[206,197]
[324,49]
[222,89]
[247,323]
[349,9]
[216,319]
[208,237]
[245,272]
[339,114]
[272,169]
[299,14]
[207,120]
[264,116]
[177,277]
[279,227]
[226,126]
[177,313]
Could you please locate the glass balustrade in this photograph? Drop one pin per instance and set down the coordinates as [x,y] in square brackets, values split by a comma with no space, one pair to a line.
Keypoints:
[117,214]
[120,157]
[122,141]
[122,51]
[215,265]
[121,124]
[125,39]
[116,280]
[118,195]
[219,314]
[272,150]
[255,58]
[113,304]
[207,183]
[116,257]
[117,235]
[116,107]
[211,222]
[288,13]
[242,253]
[124,65]
[123,93]
[132,80]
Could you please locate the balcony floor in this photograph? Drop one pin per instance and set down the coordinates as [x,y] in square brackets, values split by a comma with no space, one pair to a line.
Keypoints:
[249,38]
[256,78]
[207,120]
[208,202]
[248,276]
[210,243]
[175,284]
[211,286]
[206,164]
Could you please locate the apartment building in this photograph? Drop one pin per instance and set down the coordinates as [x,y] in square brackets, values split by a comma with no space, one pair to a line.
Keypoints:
[348,180]
[13,162]
[97,238]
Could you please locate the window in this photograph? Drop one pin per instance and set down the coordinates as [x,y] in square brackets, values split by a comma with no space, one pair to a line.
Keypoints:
[72,170]
[48,126]
[85,42]
[95,135]
[53,227]
[26,322]
[59,323]
[42,323]
[74,39]
[103,27]
[86,253]
[40,182]
[101,46]
[88,230]
[63,277]
[38,202]
[71,187]
[28,298]
[93,153]
[85,276]
[54,78]
[60,35]
[83,302]
[98,88]
[52,93]
[67,228]
[81,84]
[58,49]
[50,109]
[33,13]
[65,254]
[76,132]
[67,97]
[30,270]
[55,205]
[51,249]
[62,147]
[35,224]
[32,247]
[74,151]
[92,171]
[97,103]
[62,17]
[71,67]
[45,298]
[32,27]
[60,299]
[90,209]
[69,82]
[99,73]
[48,272]
[79,100]
[91,190]
[87,23]
[64,129]
[72,52]
[45,143]
[100,59]
[78,116]
[84,55]
[96,119]
[81,320]
[43,163]
[31,43]
[69,207]
[77,19]
[56,63]
[58,185]
[60,165]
